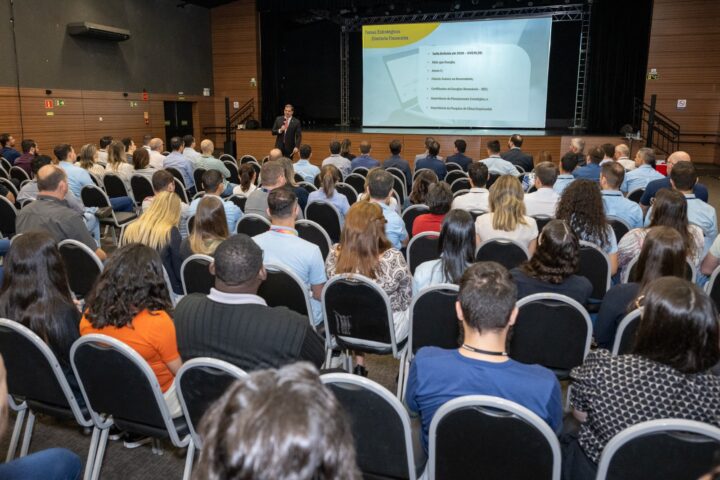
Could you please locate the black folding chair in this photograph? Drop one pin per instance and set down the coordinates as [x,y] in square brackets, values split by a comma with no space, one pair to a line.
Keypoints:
[504,251]
[636,195]
[452,166]
[460,184]
[348,191]
[82,265]
[176,173]
[361,171]
[226,157]
[619,226]
[283,288]
[356,181]
[197,176]
[309,187]
[114,186]
[314,233]
[327,216]
[399,187]
[8,214]
[238,200]
[625,334]
[141,188]
[712,287]
[180,191]
[195,274]
[19,174]
[411,213]
[595,266]
[396,172]
[10,186]
[93,196]
[252,224]
[454,175]
[234,172]
[247,158]
[541,221]
[422,248]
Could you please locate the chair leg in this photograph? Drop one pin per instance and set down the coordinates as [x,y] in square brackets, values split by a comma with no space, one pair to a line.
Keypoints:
[91,453]
[97,463]
[189,458]
[401,377]
[328,357]
[28,434]
[17,429]
[348,362]
[157,447]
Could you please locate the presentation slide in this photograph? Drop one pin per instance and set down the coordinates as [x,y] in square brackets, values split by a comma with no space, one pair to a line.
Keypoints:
[486,73]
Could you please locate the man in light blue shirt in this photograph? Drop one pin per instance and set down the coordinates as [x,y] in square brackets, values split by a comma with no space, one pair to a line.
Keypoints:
[364,160]
[591,169]
[495,163]
[568,163]
[282,246]
[303,167]
[643,174]
[180,162]
[616,205]
[683,178]
[342,163]
[214,187]
[379,188]
[77,177]
[189,150]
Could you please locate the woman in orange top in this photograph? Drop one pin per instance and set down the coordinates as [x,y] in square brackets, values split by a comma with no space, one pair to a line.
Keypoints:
[130,302]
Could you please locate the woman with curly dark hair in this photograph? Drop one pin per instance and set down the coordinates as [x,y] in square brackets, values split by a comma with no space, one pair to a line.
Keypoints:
[420,188]
[131,302]
[581,206]
[553,267]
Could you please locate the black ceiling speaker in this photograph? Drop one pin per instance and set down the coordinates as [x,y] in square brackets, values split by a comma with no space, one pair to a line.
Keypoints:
[97,31]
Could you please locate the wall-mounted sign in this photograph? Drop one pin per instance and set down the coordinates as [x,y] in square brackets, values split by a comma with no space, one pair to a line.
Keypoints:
[681,104]
[206,92]
[59,103]
[48,104]
[183,123]
[49,114]
[145,96]
[133,104]
[653,75]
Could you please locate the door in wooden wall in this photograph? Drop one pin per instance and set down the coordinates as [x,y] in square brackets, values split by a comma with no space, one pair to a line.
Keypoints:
[178,120]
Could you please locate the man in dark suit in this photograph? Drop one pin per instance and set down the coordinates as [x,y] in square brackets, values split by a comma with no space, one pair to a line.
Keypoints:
[288,132]
[516,156]
[459,155]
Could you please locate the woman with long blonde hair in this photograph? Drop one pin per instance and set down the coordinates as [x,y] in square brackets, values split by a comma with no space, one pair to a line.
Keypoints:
[365,249]
[117,163]
[158,229]
[210,228]
[507,217]
[87,159]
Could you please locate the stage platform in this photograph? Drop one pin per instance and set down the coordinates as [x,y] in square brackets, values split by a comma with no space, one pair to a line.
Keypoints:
[259,142]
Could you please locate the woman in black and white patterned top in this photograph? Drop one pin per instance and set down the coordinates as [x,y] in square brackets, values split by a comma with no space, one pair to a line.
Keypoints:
[666,376]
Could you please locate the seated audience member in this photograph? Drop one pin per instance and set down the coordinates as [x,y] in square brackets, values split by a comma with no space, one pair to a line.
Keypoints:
[247,175]
[129,148]
[210,228]
[396,161]
[329,176]
[439,199]
[495,163]
[300,192]
[181,163]
[157,228]
[591,169]
[208,162]
[608,153]
[141,164]
[117,163]
[364,160]
[282,246]
[50,464]
[317,441]
[336,158]
[35,293]
[676,345]
[577,148]
[189,150]
[663,254]
[365,249]
[622,154]
[87,159]
[554,266]
[432,161]
[507,217]
[544,200]
[104,143]
[53,214]
[130,302]
[303,167]
[213,184]
[568,164]
[481,366]
[420,156]
[378,189]
[233,324]
[516,156]
[273,176]
[456,246]
[163,181]
[157,159]
[582,208]
[655,186]
[76,176]
[683,178]
[459,156]
[29,150]
[616,205]
[8,152]
[644,172]
[478,197]
[420,187]
[670,210]
[274,155]
[345,150]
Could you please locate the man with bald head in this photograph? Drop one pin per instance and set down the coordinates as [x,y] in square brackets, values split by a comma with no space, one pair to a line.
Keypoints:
[364,160]
[157,159]
[274,155]
[699,190]
[622,156]
[208,162]
[52,213]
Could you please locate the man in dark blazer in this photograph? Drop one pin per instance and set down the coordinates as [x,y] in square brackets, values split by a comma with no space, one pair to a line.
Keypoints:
[288,132]
[516,156]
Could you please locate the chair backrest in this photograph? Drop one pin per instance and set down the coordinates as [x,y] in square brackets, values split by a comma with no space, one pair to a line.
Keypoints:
[619,226]
[492,177]
[460,192]
[396,172]
[625,333]
[298,178]
[195,274]
[492,436]
[462,183]
[5,164]
[247,158]
[19,174]
[629,271]
[283,288]
[399,187]
[348,191]
[8,214]
[357,313]
[422,247]
[10,186]
[226,157]
[309,187]
[595,266]
[197,176]
[176,173]
[93,196]
[356,181]
[433,320]
[234,172]
[114,186]
[252,224]
[82,265]
[314,233]
[361,171]
[552,330]
[141,188]
[34,373]
[180,191]
[4,172]
[670,449]
[505,251]
[541,221]
[199,194]
[96,180]
[411,213]
[417,172]
[239,200]
[636,194]
[256,167]
[452,166]
[712,287]
[380,425]
[200,382]
[131,395]
[326,215]
[454,175]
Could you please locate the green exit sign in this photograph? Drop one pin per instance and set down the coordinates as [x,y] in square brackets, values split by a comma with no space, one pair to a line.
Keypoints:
[59,103]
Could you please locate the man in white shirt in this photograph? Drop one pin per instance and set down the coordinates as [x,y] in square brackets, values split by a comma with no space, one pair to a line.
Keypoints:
[495,163]
[544,200]
[157,159]
[102,157]
[341,163]
[608,153]
[189,150]
[622,156]
[478,196]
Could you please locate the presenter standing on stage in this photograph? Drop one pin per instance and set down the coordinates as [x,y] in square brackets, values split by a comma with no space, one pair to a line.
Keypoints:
[288,132]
